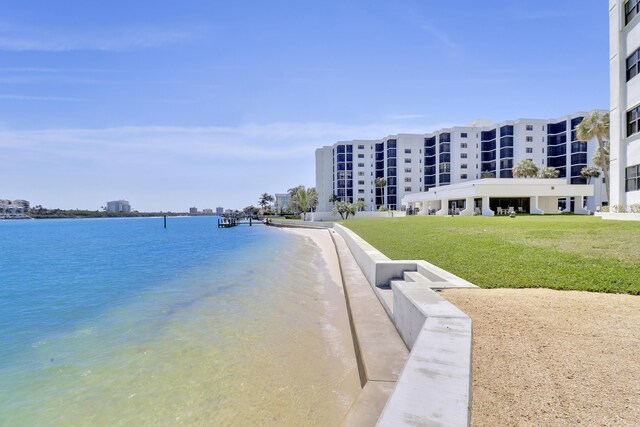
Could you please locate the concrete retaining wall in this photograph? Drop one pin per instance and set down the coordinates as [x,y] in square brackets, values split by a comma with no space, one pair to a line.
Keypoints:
[330,216]
[435,385]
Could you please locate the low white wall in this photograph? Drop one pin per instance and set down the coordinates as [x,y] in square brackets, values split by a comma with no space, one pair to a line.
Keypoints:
[330,216]
[435,385]
[619,216]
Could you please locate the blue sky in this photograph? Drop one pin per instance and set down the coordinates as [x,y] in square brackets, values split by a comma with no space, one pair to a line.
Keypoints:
[211,103]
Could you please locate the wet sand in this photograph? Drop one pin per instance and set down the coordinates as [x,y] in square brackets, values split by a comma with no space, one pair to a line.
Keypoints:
[560,358]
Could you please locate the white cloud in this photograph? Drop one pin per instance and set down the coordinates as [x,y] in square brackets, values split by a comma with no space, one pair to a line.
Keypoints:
[123,39]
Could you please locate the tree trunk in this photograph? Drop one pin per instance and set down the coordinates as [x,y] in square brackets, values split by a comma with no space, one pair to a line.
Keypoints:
[605,167]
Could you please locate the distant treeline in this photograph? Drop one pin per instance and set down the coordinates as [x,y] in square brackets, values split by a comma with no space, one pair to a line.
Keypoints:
[62,213]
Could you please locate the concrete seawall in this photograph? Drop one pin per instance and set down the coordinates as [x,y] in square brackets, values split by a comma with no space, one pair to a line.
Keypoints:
[413,346]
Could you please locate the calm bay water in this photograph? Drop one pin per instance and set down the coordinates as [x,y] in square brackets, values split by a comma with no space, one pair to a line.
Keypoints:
[121,322]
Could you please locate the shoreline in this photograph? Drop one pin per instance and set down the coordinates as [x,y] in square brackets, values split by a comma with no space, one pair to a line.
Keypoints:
[337,324]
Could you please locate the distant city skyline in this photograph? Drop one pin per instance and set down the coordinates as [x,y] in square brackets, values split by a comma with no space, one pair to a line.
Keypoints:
[212,103]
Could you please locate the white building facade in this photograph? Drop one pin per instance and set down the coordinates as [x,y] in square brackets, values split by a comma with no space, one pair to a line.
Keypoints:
[118,206]
[413,163]
[624,66]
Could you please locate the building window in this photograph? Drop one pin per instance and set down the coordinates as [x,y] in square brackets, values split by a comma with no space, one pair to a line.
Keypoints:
[463,135]
[360,191]
[361,156]
[361,182]
[631,9]
[463,145]
[407,189]
[633,119]
[407,160]
[360,173]
[407,151]
[463,155]
[360,147]
[407,170]
[407,179]
[360,165]
[529,150]
[529,139]
[529,127]
[463,166]
[632,175]
[632,64]
[463,176]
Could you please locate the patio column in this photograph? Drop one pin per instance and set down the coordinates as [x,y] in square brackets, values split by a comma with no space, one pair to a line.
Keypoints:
[486,210]
[468,210]
[444,208]
[533,206]
[577,206]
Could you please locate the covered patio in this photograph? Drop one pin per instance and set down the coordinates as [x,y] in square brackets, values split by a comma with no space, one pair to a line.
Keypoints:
[501,196]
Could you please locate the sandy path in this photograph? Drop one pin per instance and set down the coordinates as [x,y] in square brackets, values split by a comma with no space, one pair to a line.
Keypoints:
[553,358]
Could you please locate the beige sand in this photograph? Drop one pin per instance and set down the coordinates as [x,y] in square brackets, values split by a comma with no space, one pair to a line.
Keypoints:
[553,358]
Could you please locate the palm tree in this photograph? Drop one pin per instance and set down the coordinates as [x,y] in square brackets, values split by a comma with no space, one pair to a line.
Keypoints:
[548,173]
[360,205]
[525,169]
[265,199]
[302,200]
[312,193]
[589,172]
[333,199]
[381,183]
[597,126]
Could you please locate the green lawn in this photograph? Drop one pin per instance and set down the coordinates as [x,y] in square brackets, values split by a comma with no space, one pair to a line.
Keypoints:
[558,252]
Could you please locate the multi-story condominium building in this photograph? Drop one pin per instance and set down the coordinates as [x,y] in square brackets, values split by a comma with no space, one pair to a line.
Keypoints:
[282,201]
[118,206]
[219,210]
[412,163]
[624,66]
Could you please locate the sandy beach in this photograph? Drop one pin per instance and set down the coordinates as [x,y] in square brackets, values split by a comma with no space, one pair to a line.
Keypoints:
[553,358]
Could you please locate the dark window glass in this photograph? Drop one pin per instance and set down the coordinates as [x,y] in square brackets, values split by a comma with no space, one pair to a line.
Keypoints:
[578,180]
[349,148]
[488,156]
[391,143]
[391,171]
[487,135]
[391,162]
[506,152]
[506,130]
[391,152]
[445,148]
[633,116]
[576,121]
[554,128]
[379,148]
[579,158]
[445,137]
[463,135]
[340,149]
[631,9]
[445,158]
[632,175]
[506,141]
[579,147]
[506,173]
[488,145]
[391,181]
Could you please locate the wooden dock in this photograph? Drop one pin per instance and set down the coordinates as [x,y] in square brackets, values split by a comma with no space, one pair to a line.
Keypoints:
[232,222]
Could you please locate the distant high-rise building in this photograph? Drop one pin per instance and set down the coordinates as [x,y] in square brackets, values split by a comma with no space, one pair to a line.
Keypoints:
[193,211]
[118,206]
[219,210]
[207,211]
[282,201]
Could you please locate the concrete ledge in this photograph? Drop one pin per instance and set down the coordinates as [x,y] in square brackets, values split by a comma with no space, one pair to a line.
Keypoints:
[367,408]
[435,386]
[413,304]
[299,224]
